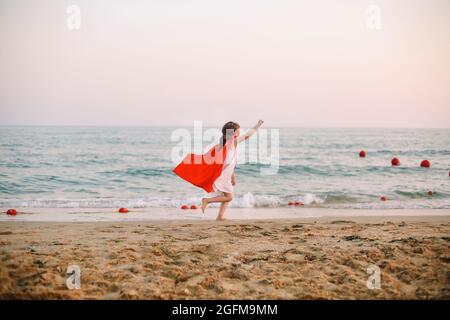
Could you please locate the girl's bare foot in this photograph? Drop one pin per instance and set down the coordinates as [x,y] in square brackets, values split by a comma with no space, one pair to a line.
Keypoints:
[219,218]
[204,204]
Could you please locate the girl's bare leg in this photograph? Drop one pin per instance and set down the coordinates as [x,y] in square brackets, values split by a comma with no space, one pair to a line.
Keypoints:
[223,207]
[227,197]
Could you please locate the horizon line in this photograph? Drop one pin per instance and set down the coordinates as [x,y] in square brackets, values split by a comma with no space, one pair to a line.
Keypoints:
[210,126]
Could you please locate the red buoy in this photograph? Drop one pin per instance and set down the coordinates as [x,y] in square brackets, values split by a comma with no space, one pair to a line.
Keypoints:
[123,210]
[425,164]
[430,193]
[383,198]
[290,203]
[362,154]
[184,207]
[298,203]
[395,161]
[11,212]
[194,206]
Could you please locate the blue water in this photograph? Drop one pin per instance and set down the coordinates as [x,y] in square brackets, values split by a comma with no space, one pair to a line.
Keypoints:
[83,167]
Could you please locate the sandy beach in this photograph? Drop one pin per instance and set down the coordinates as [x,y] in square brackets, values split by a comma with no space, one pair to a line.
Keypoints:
[312,258]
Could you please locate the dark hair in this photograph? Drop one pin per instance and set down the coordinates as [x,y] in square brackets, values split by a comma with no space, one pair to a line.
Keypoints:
[227,129]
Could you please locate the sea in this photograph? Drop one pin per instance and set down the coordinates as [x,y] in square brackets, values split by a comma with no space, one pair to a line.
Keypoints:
[111,167]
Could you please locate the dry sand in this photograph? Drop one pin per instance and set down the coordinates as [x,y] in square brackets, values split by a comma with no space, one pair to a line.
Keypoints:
[267,259]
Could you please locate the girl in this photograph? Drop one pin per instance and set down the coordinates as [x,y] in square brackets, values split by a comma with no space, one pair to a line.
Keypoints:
[218,176]
[224,184]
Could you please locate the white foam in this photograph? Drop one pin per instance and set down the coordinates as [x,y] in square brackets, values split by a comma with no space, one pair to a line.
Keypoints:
[310,198]
[247,200]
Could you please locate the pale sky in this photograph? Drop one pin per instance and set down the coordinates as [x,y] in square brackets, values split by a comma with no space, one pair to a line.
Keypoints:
[170,62]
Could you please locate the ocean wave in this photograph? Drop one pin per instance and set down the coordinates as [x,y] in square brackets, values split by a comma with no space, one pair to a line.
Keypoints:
[247,200]
[138,172]
[421,194]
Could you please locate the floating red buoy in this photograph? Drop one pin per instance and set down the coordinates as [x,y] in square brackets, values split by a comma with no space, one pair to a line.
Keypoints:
[395,162]
[290,203]
[194,206]
[362,154]
[123,210]
[11,212]
[184,207]
[425,164]
[430,193]
[383,198]
[298,203]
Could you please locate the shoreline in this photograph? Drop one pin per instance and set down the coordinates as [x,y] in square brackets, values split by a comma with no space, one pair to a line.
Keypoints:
[303,258]
[174,214]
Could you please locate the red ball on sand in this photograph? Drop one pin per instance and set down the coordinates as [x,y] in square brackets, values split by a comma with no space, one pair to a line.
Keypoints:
[395,161]
[362,154]
[184,207]
[290,203]
[11,212]
[383,198]
[298,203]
[425,164]
[123,210]
[194,206]
[430,193]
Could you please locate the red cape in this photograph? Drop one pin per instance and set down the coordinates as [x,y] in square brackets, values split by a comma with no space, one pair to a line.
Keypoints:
[202,170]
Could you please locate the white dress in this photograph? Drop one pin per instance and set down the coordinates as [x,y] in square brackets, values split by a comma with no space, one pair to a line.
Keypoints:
[223,182]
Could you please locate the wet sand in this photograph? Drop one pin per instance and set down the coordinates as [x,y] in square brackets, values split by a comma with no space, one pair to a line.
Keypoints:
[315,258]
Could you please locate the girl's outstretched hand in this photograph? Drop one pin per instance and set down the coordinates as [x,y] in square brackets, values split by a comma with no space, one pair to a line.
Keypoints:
[250,132]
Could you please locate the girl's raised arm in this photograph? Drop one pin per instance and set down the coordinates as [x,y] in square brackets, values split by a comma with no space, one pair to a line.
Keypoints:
[250,132]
